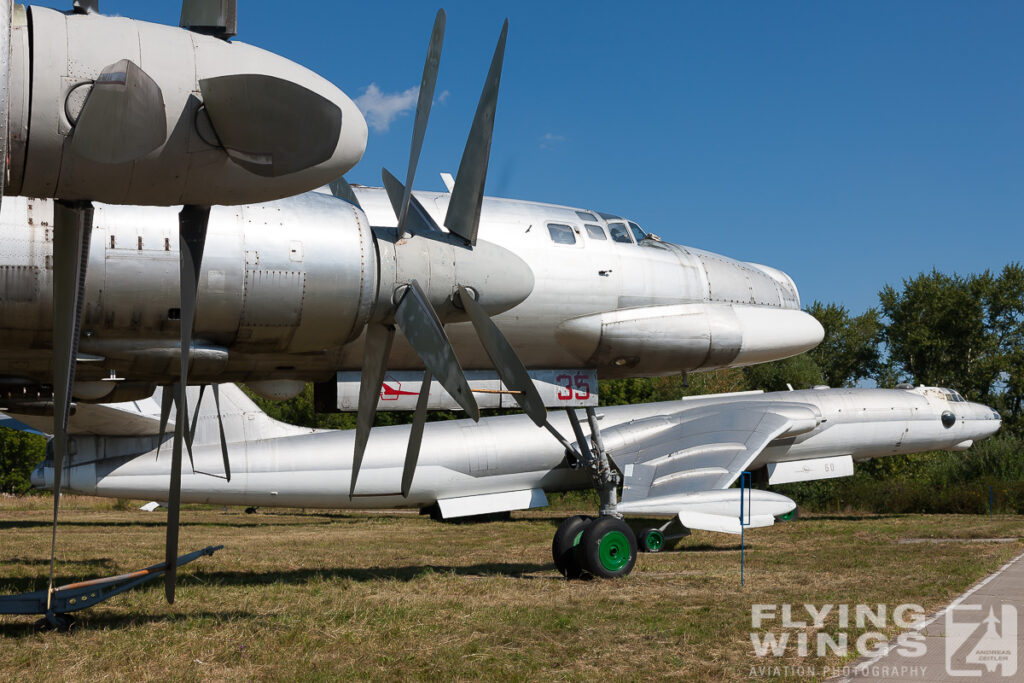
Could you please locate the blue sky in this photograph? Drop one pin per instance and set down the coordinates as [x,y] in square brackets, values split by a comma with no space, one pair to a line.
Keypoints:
[850,144]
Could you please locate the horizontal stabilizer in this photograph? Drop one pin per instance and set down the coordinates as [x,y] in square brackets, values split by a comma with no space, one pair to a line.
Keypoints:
[131,418]
[11,423]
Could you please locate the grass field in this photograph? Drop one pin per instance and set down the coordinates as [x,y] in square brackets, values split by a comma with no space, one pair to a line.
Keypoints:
[324,595]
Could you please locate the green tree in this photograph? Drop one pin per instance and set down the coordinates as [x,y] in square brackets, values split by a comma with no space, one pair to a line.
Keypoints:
[961,332]
[850,350]
[1003,299]
[799,371]
[20,452]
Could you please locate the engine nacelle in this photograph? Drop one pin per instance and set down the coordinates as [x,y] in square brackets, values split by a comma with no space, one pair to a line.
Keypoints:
[296,276]
[122,111]
[698,336]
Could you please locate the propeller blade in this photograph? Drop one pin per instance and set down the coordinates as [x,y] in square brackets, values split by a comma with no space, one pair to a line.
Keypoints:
[192,223]
[423,104]
[223,439]
[123,118]
[412,452]
[174,499]
[71,236]
[195,417]
[418,221]
[6,16]
[505,360]
[463,216]
[286,127]
[217,18]
[166,398]
[86,6]
[377,348]
[342,190]
[190,435]
[419,323]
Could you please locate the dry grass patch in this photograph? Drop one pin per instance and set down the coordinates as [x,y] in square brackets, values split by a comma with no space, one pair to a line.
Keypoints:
[316,595]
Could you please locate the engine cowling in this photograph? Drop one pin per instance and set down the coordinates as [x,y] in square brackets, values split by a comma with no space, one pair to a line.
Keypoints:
[255,145]
[296,276]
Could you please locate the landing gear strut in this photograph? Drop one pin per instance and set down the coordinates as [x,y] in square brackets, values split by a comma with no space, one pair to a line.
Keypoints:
[605,546]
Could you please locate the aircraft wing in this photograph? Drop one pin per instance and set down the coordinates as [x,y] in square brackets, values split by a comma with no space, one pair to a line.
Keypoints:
[689,461]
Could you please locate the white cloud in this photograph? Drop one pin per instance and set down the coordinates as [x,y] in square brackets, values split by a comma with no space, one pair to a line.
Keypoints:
[549,140]
[381,108]
[443,97]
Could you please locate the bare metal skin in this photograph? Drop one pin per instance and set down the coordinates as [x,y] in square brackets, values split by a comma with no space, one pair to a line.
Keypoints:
[278,464]
[288,286]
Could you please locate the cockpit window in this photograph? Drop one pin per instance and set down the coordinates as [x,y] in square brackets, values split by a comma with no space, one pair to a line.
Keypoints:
[561,234]
[587,216]
[638,232]
[619,233]
[948,394]
[596,232]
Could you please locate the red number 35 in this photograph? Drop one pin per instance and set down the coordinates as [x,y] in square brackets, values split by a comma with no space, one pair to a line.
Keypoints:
[567,383]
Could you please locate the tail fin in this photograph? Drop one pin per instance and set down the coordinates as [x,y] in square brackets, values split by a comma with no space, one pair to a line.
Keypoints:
[242,418]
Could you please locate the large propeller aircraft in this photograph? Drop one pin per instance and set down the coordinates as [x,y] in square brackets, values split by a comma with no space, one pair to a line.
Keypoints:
[299,288]
[110,109]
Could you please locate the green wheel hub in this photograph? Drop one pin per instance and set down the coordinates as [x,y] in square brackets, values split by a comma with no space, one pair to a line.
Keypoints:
[654,541]
[613,551]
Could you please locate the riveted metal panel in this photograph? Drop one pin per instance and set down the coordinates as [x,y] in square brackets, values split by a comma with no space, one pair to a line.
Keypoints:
[19,284]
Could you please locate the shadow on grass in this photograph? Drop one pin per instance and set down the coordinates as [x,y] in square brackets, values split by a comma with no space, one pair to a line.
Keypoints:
[408,573]
[708,548]
[851,518]
[161,521]
[86,620]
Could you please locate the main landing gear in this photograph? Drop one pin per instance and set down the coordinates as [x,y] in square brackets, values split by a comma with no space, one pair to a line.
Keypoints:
[603,546]
[585,547]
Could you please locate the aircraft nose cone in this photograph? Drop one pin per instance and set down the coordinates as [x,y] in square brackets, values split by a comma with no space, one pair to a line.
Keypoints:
[773,333]
[985,421]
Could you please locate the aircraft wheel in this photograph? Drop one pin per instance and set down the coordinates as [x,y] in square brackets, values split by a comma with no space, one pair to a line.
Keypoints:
[650,541]
[563,547]
[607,548]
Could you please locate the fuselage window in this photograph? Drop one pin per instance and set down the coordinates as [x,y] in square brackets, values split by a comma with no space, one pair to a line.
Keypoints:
[561,234]
[638,232]
[596,232]
[619,233]
[586,216]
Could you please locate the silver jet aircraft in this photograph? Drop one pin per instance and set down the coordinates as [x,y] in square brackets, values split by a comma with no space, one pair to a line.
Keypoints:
[676,459]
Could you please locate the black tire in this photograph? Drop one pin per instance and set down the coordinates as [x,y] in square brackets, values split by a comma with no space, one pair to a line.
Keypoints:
[607,548]
[563,546]
[650,541]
